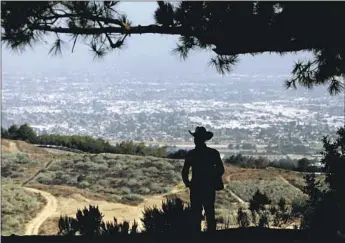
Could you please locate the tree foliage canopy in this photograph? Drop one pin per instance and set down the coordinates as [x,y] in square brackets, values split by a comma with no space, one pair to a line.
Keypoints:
[226,28]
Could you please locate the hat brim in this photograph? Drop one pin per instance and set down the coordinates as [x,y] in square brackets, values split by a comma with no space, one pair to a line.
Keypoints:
[206,136]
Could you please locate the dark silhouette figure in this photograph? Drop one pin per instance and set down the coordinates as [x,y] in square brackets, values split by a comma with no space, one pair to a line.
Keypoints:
[207,171]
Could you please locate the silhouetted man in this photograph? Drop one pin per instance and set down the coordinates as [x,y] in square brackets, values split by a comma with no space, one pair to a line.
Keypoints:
[207,170]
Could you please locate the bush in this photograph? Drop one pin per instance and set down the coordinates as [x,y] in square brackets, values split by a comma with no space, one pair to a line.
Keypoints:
[264,219]
[46,178]
[173,217]
[258,201]
[125,190]
[89,222]
[298,207]
[180,154]
[84,184]
[132,199]
[243,219]
[281,214]
[131,183]
[143,190]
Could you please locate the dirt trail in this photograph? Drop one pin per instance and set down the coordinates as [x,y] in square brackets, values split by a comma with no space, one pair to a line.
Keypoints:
[69,206]
[50,208]
[57,206]
[240,200]
[46,166]
[286,181]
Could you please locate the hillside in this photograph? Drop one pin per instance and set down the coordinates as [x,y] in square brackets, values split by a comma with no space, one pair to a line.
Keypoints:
[122,185]
[18,207]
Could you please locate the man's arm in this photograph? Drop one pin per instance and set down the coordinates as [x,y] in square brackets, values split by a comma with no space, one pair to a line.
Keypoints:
[219,164]
[185,171]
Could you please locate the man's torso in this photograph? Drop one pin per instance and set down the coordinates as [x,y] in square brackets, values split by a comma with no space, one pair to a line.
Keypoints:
[203,166]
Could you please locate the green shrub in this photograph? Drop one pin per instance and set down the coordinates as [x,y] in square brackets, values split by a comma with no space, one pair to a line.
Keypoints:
[55,167]
[114,174]
[143,190]
[114,198]
[125,190]
[84,184]
[298,206]
[150,170]
[243,218]
[46,178]
[132,199]
[173,217]
[14,165]
[131,183]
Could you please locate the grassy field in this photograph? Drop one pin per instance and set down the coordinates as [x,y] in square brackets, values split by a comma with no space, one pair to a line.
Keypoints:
[18,207]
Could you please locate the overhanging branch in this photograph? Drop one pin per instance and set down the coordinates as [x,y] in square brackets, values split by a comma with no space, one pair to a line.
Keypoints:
[149,29]
[232,48]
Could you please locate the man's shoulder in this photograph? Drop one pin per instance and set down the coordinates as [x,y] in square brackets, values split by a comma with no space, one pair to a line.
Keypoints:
[212,150]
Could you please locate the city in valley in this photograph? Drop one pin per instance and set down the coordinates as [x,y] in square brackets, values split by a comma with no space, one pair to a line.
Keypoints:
[254,114]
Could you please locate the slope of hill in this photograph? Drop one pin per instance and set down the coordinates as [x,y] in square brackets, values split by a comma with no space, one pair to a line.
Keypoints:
[123,184]
[119,178]
[18,207]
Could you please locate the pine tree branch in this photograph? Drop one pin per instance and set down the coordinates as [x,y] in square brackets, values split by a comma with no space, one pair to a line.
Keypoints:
[232,48]
[149,29]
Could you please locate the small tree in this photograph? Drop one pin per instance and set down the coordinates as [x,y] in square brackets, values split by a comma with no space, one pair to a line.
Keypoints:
[281,214]
[26,133]
[89,221]
[264,219]
[13,131]
[4,133]
[303,164]
[179,154]
[261,162]
[257,204]
[258,201]
[328,205]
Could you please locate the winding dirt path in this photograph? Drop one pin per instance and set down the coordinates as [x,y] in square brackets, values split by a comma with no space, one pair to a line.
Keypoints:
[68,206]
[32,228]
[59,206]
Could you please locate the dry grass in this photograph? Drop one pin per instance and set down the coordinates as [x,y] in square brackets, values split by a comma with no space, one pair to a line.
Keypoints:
[35,153]
[49,227]
[18,207]
[38,157]
[119,178]
[274,189]
[67,191]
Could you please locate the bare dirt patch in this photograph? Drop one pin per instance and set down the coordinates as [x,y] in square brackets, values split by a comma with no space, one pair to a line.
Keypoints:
[69,206]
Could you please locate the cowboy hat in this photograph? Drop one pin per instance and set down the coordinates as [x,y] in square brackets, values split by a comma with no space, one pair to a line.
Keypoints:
[200,132]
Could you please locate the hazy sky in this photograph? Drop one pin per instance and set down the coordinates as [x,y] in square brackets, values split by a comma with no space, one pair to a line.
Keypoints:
[145,52]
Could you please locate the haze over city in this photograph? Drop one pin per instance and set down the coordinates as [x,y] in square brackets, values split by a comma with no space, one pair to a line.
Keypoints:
[145,92]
